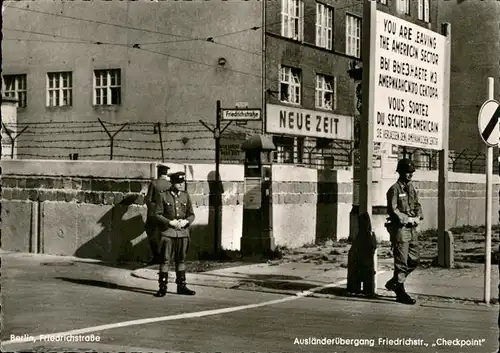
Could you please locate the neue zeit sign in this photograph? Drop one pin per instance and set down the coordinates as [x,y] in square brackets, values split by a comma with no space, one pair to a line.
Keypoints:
[408,83]
[287,120]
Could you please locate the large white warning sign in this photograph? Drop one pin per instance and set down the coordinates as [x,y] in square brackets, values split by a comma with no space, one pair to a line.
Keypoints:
[409,82]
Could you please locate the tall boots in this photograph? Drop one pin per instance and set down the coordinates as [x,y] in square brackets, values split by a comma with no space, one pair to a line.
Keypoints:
[181,284]
[399,289]
[162,281]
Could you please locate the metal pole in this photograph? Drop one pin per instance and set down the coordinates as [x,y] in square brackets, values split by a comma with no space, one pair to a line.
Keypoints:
[489,196]
[366,126]
[264,84]
[161,143]
[217,180]
[443,157]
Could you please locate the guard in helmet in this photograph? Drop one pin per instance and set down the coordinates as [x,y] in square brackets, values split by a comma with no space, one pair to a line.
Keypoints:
[405,214]
[157,186]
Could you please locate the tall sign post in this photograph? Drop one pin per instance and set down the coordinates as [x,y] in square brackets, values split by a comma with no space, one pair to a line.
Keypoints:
[445,241]
[488,121]
[405,85]
[366,129]
[229,115]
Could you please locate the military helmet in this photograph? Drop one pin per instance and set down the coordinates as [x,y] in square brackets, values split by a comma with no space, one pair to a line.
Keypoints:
[405,166]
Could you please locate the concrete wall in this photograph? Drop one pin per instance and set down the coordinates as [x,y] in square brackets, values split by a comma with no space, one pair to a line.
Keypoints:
[310,205]
[95,209]
[465,203]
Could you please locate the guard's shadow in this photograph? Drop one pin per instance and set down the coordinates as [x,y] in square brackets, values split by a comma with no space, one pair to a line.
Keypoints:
[327,206]
[121,241]
[108,285]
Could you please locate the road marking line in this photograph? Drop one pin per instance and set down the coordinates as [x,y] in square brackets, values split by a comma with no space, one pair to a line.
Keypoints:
[197,314]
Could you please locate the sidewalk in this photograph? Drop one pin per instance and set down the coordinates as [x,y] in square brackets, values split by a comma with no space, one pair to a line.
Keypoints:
[460,285]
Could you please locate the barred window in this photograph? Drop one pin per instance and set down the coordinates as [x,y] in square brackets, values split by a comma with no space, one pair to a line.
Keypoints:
[59,89]
[16,87]
[284,152]
[107,87]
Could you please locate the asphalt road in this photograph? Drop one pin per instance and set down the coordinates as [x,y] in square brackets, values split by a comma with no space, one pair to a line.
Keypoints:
[45,299]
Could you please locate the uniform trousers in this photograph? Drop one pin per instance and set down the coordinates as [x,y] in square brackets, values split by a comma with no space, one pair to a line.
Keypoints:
[173,249]
[406,251]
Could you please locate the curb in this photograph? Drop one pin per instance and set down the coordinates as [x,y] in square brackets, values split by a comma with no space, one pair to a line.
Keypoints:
[232,282]
[245,283]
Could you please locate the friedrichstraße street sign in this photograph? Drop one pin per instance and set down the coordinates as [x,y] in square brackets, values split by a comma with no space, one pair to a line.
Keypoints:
[241,114]
[409,81]
[487,122]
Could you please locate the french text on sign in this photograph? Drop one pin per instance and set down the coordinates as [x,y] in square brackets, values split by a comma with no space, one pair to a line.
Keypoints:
[304,122]
[488,121]
[408,72]
[240,114]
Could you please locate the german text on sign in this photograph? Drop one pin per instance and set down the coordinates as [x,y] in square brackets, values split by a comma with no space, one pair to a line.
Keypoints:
[240,114]
[304,122]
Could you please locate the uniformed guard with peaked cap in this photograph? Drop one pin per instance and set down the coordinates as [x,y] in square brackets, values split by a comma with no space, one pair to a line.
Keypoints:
[174,211]
[405,214]
[159,185]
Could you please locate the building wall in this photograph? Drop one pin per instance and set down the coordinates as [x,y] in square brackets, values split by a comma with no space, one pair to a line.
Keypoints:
[175,81]
[475,55]
[181,76]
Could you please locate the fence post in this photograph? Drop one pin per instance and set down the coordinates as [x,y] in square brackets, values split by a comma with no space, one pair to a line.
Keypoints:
[161,142]
[111,137]
[12,138]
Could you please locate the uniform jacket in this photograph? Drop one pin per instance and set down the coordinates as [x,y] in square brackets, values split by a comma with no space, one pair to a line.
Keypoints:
[170,206]
[155,187]
[402,203]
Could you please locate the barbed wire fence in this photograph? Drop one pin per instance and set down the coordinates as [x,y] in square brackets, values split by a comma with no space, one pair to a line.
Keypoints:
[101,140]
[464,161]
[191,142]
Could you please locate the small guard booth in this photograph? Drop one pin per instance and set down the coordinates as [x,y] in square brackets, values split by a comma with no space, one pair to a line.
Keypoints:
[257,236]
